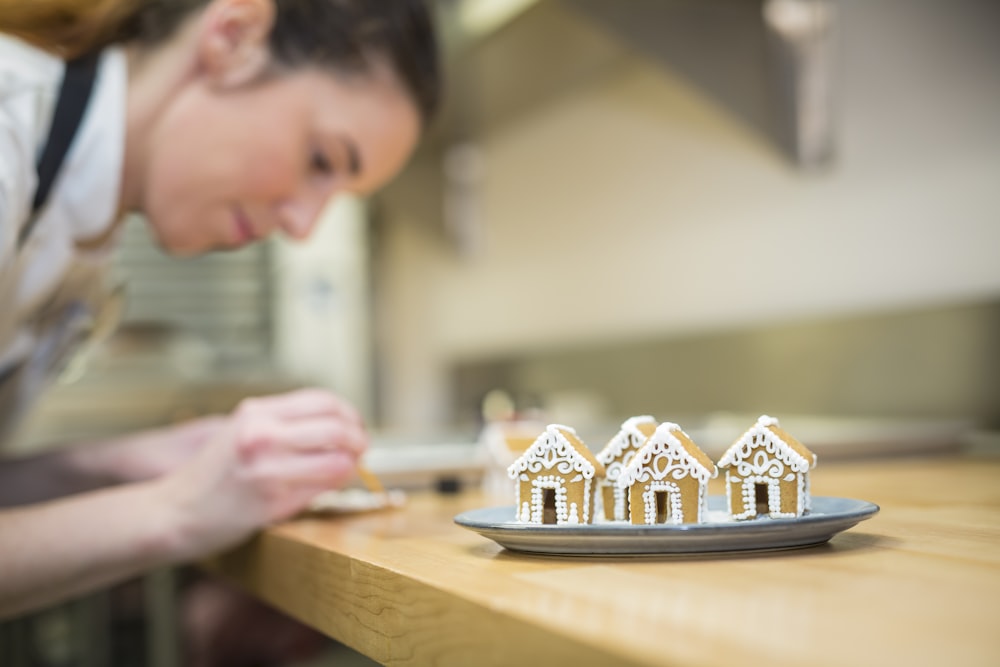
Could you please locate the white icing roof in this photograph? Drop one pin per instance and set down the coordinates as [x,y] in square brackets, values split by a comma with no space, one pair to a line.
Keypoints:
[787,448]
[671,440]
[553,446]
[621,441]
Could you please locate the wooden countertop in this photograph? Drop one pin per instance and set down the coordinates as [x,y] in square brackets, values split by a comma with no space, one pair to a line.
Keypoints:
[917,584]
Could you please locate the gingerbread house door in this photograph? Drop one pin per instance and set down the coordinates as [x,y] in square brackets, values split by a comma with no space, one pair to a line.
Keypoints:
[548,502]
[662,503]
[760,494]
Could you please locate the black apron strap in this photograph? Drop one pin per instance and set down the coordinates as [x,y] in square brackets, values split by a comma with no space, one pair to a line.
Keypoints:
[74,94]
[8,373]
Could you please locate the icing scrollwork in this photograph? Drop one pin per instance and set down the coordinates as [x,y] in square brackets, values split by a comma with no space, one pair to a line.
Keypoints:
[663,457]
[761,464]
[552,453]
[555,458]
[614,471]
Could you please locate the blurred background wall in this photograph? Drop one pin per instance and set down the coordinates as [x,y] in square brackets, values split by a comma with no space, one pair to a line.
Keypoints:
[596,217]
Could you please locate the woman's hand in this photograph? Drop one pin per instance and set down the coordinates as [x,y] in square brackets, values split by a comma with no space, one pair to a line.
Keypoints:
[266,463]
[262,464]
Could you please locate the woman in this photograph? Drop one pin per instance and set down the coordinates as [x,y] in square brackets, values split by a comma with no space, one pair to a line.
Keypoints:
[223,121]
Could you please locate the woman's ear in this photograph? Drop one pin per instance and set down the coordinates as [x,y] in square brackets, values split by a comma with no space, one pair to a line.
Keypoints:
[233,40]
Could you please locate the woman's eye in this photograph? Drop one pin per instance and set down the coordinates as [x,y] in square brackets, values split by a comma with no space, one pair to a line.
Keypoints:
[320,163]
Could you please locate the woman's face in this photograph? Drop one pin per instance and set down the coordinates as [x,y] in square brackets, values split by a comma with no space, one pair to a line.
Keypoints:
[225,166]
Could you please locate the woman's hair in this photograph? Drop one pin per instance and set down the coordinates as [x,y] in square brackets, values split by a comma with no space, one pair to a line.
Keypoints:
[350,36]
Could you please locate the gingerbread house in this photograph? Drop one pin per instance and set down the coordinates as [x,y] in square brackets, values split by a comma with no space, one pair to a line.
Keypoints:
[614,457]
[556,478]
[767,473]
[667,479]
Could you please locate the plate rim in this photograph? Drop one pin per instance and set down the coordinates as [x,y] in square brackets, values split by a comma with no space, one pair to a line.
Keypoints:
[866,510]
[622,538]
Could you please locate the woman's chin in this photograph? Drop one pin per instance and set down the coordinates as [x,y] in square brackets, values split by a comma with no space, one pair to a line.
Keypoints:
[180,249]
[178,245]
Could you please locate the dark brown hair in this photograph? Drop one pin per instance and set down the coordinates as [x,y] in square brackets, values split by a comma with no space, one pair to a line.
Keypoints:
[350,36]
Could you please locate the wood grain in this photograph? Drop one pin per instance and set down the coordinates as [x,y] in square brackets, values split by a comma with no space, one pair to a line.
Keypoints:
[918,584]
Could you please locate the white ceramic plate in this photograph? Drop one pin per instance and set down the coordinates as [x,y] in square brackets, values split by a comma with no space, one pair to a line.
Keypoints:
[828,517]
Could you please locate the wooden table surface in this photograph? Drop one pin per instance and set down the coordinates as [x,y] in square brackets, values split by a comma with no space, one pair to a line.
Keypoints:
[917,584]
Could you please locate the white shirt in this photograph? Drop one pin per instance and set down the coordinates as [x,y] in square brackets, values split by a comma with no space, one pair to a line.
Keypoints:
[48,282]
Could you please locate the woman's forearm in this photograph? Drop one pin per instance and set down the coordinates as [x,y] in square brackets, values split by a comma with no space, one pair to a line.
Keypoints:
[92,465]
[54,551]
[53,474]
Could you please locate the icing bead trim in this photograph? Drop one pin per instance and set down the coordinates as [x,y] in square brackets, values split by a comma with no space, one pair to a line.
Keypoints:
[676,512]
[533,510]
[748,495]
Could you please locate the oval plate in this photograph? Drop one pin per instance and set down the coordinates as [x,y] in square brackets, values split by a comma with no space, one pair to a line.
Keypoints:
[828,517]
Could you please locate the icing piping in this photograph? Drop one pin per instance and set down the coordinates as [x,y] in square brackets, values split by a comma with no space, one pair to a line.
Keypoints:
[676,513]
